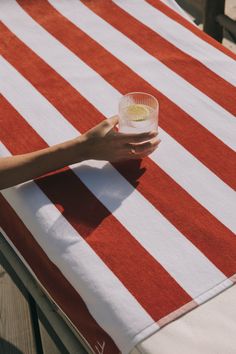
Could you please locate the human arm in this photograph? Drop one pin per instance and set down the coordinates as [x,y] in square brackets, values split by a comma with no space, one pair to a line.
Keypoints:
[102,142]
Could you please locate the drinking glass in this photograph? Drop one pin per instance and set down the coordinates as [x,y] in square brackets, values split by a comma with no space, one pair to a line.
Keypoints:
[138,113]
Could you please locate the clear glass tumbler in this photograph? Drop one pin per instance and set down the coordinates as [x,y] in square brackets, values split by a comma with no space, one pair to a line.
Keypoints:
[138,113]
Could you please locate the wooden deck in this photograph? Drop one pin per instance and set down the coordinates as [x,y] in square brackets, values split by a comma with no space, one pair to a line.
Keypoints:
[16,330]
[27,327]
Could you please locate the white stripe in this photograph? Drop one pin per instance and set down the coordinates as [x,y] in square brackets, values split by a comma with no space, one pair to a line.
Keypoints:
[212,193]
[158,236]
[182,38]
[209,114]
[107,299]
[60,58]
[203,109]
[203,185]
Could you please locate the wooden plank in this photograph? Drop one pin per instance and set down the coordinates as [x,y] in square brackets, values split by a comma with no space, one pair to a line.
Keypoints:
[49,346]
[194,8]
[212,9]
[16,335]
[69,339]
[227,23]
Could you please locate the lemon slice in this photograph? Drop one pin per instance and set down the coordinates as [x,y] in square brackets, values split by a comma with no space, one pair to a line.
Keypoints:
[138,112]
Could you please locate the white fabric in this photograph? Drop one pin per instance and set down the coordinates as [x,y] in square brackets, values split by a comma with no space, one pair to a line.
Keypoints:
[209,329]
[52,231]
[46,220]
[212,116]
[104,181]
[182,38]
[198,174]
[71,254]
[214,195]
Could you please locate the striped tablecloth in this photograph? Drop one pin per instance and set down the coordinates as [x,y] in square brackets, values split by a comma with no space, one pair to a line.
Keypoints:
[122,248]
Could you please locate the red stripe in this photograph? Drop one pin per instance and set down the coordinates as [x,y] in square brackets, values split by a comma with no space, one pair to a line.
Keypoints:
[191,27]
[199,226]
[183,64]
[52,279]
[127,259]
[172,119]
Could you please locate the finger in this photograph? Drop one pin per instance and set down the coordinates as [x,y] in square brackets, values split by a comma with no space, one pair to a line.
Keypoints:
[141,148]
[132,154]
[107,126]
[144,154]
[147,152]
[137,138]
[113,121]
[112,125]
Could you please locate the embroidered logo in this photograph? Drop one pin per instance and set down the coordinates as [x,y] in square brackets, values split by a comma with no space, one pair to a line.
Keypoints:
[100,347]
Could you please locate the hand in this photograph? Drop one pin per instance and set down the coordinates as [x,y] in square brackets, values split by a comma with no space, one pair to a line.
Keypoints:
[103,142]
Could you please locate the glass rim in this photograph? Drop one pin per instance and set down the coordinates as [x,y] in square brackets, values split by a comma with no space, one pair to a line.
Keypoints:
[143,93]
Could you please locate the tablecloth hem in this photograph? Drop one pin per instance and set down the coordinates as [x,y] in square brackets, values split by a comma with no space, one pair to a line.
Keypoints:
[201,299]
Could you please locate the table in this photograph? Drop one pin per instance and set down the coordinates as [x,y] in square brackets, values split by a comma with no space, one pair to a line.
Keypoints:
[128,247]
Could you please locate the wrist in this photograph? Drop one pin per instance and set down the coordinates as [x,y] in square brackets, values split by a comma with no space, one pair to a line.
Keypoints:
[78,150]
